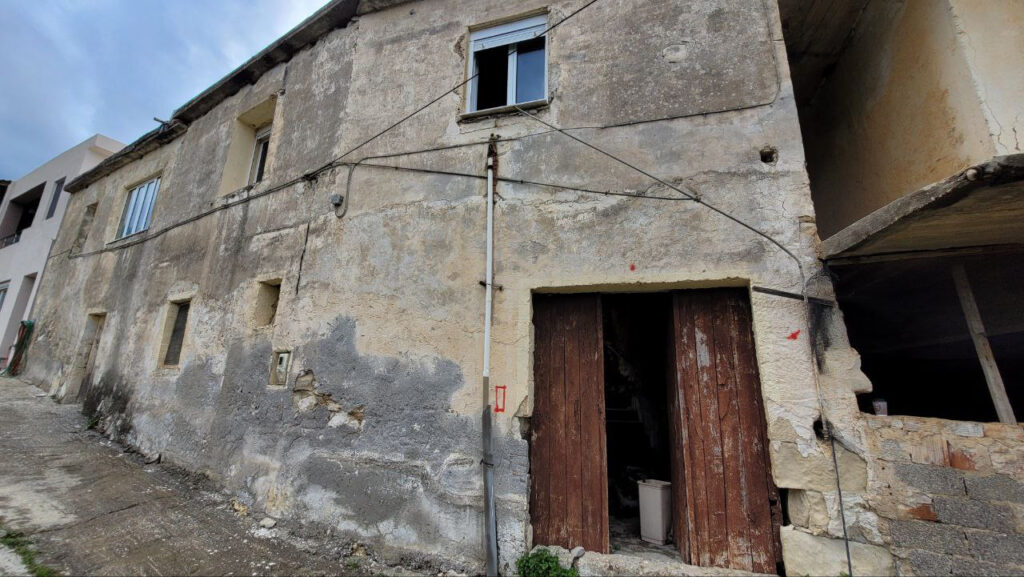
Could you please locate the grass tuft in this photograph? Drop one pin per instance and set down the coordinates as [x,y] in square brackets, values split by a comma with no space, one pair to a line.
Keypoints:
[23,548]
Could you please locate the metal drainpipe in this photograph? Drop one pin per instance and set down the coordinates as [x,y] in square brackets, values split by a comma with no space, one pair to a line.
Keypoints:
[491,531]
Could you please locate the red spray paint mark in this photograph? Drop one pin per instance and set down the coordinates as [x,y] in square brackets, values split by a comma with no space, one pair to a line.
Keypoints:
[632,266]
[794,335]
[499,399]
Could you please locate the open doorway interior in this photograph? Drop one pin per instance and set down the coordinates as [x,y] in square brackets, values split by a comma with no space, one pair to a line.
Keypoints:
[636,350]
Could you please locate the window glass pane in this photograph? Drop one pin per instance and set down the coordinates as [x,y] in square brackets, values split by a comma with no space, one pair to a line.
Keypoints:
[492,81]
[129,212]
[140,207]
[140,199]
[261,164]
[530,71]
[147,208]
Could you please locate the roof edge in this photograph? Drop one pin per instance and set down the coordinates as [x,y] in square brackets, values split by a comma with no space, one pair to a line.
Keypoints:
[335,14]
[996,171]
[144,145]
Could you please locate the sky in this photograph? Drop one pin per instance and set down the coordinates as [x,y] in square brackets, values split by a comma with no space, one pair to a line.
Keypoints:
[73,68]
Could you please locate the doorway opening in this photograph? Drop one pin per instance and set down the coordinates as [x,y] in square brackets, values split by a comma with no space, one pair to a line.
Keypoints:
[659,389]
[636,346]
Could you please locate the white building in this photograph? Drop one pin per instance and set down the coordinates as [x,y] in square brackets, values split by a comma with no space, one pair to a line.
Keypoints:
[31,210]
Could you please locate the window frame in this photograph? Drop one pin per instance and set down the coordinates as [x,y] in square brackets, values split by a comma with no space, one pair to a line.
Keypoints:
[260,153]
[510,33]
[127,213]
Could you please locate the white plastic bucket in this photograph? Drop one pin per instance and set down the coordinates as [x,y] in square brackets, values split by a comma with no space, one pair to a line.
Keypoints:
[655,510]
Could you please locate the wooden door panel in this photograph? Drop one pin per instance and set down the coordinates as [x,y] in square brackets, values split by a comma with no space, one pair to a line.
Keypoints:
[568,476]
[721,481]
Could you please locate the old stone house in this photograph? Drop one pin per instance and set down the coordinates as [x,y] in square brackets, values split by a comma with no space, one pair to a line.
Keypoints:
[450,277]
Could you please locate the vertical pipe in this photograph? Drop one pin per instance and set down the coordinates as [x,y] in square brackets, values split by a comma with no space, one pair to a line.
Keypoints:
[491,530]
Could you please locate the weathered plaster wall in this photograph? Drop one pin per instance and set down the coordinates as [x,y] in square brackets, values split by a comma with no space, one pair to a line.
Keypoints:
[377,434]
[921,496]
[900,111]
[992,37]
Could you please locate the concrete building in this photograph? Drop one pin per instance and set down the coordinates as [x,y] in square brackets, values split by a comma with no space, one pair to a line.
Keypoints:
[31,211]
[289,286]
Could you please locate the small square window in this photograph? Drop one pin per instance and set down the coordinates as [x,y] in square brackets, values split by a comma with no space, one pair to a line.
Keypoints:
[509,63]
[259,155]
[279,368]
[138,210]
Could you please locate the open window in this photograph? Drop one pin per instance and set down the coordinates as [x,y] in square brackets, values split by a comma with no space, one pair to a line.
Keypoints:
[938,337]
[20,214]
[508,64]
[138,208]
[259,155]
[175,325]
[249,155]
[268,293]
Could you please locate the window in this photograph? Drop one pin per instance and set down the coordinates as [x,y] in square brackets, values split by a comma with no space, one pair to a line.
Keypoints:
[20,214]
[279,370]
[175,324]
[83,227]
[259,155]
[267,297]
[510,64]
[58,188]
[248,159]
[139,209]
[3,293]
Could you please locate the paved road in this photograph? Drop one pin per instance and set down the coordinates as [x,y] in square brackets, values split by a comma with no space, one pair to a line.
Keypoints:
[92,509]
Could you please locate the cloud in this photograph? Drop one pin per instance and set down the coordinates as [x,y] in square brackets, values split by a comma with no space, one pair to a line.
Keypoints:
[72,68]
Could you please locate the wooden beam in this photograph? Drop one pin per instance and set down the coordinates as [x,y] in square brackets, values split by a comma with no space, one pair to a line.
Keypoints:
[984,250]
[982,346]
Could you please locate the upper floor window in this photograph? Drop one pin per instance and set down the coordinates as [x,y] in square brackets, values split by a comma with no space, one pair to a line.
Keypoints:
[139,209]
[259,155]
[510,64]
[58,188]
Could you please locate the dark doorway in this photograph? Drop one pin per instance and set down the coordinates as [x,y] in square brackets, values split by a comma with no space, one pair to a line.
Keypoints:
[632,388]
[636,335]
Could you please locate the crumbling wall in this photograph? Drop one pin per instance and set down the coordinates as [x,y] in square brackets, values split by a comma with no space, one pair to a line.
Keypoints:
[921,496]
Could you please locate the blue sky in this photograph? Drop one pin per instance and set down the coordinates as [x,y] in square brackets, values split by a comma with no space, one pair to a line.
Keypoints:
[72,68]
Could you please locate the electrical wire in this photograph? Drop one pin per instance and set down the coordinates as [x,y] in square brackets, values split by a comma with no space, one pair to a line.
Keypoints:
[522,182]
[688,193]
[439,97]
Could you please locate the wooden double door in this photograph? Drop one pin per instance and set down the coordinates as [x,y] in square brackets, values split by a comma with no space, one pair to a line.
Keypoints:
[726,510]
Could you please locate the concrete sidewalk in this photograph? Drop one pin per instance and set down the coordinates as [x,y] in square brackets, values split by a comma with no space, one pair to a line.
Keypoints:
[90,508]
